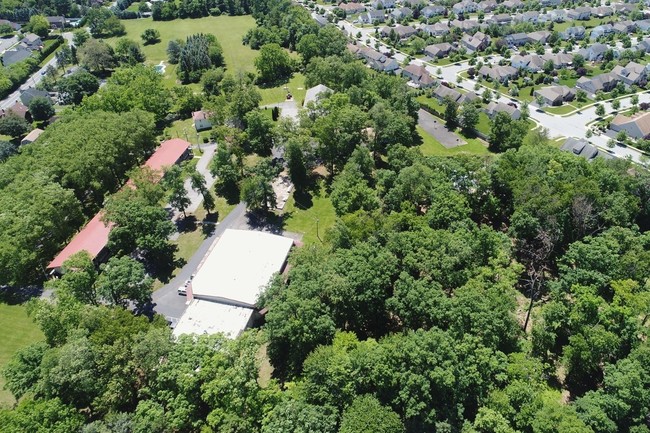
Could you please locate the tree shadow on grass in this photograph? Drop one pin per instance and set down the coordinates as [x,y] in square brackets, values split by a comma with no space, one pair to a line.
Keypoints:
[209,224]
[187,224]
[17,295]
[266,221]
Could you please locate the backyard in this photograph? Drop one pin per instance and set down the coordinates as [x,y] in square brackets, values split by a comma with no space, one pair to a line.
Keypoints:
[311,219]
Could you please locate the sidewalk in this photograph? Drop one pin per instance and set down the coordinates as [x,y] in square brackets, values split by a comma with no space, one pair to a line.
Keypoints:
[196,198]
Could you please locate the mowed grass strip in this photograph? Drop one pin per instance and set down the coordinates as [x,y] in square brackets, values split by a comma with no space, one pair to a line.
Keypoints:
[18,332]
[228,30]
[312,221]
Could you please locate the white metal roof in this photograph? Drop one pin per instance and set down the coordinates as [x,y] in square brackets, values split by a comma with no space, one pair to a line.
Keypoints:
[239,266]
[206,317]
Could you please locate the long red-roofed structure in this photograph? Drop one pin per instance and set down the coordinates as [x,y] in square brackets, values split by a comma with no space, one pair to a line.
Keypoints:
[94,236]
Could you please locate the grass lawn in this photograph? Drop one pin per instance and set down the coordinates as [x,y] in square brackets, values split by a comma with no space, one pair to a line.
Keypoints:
[228,30]
[19,332]
[589,24]
[432,147]
[305,220]
[185,129]
[562,109]
[296,86]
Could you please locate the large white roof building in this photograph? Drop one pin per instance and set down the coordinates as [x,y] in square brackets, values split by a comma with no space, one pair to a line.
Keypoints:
[229,281]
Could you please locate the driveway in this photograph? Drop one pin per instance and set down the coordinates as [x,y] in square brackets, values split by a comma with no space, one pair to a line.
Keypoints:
[166,300]
[431,125]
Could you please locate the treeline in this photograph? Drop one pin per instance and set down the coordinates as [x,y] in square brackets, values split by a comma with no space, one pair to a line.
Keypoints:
[21,10]
[169,10]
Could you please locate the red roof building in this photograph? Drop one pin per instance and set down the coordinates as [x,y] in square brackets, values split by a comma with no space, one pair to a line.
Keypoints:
[94,236]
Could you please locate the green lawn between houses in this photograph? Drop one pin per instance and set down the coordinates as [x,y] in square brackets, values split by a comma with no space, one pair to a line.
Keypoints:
[19,332]
[312,221]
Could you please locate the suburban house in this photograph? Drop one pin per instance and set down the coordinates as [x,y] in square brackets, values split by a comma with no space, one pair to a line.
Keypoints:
[404,32]
[624,8]
[517,39]
[529,62]
[644,45]
[31,93]
[439,50]
[643,25]
[575,33]
[401,13]
[540,36]
[603,30]
[580,147]
[513,4]
[556,95]
[15,55]
[464,7]
[19,109]
[632,73]
[547,3]
[498,73]
[313,94]
[602,11]
[15,27]
[557,15]
[467,26]
[32,136]
[500,19]
[201,121]
[636,126]
[487,6]
[478,42]
[413,3]
[56,22]
[374,59]
[382,4]
[527,17]
[418,75]
[624,27]
[560,60]
[352,8]
[442,92]
[32,41]
[603,82]
[437,29]
[320,20]
[581,13]
[593,52]
[432,11]
[495,107]
[372,17]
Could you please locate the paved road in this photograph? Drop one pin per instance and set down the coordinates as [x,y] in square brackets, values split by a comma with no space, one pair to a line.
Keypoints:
[166,300]
[33,80]
[430,124]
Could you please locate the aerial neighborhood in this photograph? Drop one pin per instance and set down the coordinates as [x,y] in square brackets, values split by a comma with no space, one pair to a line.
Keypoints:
[332,216]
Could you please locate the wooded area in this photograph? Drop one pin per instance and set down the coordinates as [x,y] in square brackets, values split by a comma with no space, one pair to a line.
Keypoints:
[498,294]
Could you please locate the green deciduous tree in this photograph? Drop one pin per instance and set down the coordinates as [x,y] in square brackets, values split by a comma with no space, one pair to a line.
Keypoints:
[41,108]
[96,56]
[505,132]
[273,64]
[123,279]
[128,52]
[469,116]
[150,36]
[14,125]
[366,414]
[73,88]
[40,25]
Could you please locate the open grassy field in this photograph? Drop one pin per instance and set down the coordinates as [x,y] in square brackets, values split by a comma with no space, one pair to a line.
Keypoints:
[312,221]
[228,30]
[19,332]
